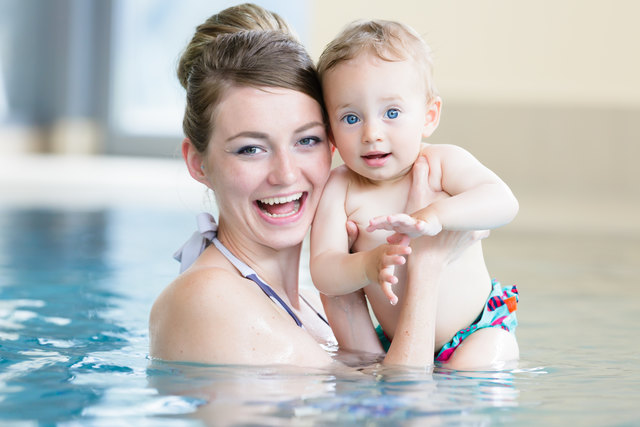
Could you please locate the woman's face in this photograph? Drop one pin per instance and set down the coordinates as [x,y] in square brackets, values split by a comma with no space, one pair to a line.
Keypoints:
[267,162]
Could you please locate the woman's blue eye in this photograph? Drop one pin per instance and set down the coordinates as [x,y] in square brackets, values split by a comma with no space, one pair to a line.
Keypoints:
[351,119]
[249,150]
[392,113]
[308,141]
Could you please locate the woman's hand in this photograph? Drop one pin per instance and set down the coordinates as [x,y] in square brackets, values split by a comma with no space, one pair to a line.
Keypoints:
[352,232]
[419,186]
[447,245]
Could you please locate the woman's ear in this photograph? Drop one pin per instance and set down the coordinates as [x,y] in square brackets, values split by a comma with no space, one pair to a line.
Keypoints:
[195,161]
[432,119]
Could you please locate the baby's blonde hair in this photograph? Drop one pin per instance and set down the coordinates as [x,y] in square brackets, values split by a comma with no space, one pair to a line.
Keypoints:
[389,40]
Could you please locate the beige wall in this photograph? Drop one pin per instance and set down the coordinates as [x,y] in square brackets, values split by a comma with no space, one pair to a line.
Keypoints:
[582,52]
[546,93]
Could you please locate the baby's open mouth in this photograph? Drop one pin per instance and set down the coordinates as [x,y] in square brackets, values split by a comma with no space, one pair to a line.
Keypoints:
[279,207]
[376,156]
[376,159]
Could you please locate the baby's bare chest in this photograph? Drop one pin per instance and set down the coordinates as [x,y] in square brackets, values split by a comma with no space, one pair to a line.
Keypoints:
[364,203]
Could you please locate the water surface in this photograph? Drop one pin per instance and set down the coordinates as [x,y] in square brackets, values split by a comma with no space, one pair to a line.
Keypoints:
[76,287]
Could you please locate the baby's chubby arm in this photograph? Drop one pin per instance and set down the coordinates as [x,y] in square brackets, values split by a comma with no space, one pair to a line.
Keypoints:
[479,198]
[334,270]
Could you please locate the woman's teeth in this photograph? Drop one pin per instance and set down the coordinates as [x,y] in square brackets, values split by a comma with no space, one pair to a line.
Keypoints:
[279,207]
[279,200]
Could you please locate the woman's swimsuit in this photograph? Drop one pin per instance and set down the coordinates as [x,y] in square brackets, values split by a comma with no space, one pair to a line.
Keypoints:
[206,234]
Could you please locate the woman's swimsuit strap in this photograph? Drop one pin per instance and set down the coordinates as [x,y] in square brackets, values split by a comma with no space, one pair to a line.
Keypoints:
[248,273]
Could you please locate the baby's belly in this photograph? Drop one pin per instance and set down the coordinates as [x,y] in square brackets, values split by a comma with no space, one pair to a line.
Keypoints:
[463,291]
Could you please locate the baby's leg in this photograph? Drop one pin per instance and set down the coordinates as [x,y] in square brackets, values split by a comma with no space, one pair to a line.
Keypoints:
[485,349]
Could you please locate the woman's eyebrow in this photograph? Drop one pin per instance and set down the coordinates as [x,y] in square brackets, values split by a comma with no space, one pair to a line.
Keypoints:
[248,134]
[261,135]
[308,126]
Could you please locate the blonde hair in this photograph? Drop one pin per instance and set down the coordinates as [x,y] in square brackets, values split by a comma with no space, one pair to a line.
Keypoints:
[389,40]
[243,45]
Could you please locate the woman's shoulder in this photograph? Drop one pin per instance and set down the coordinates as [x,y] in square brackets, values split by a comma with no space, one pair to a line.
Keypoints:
[209,291]
[196,283]
[213,315]
[195,311]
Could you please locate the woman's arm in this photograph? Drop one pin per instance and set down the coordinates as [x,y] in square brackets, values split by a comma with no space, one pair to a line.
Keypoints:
[413,340]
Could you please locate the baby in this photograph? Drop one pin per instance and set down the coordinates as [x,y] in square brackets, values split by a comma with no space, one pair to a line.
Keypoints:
[381,102]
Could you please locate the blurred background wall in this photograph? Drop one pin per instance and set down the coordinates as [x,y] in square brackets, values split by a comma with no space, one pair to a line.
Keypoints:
[546,93]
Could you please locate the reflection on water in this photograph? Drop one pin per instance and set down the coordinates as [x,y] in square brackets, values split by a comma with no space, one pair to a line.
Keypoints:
[76,288]
[276,395]
[52,293]
[65,339]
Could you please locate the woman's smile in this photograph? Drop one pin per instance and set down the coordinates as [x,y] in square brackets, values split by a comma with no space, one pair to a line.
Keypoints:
[282,206]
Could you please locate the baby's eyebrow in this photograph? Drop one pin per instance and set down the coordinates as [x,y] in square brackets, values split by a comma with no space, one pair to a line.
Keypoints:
[343,106]
[392,98]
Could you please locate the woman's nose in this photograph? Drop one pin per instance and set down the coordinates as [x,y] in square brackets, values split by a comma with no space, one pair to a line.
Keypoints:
[283,169]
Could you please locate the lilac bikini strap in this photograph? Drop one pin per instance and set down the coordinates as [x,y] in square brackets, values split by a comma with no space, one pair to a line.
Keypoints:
[250,274]
[198,241]
[201,239]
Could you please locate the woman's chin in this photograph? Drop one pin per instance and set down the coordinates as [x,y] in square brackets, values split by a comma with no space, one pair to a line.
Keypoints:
[285,240]
[287,235]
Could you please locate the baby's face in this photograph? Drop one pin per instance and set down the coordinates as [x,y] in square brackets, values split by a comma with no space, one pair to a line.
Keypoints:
[378,114]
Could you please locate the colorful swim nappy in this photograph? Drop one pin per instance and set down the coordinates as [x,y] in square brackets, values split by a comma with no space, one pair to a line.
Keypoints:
[498,312]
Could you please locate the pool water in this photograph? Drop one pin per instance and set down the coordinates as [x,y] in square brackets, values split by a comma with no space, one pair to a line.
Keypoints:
[76,287]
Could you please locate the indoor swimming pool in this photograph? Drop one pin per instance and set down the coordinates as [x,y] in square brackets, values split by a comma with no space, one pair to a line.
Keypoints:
[87,244]
[76,287]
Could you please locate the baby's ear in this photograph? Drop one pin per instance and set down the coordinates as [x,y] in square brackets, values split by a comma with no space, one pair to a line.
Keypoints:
[195,161]
[332,140]
[432,118]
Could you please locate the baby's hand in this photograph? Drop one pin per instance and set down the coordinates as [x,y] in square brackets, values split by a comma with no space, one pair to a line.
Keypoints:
[405,224]
[386,257]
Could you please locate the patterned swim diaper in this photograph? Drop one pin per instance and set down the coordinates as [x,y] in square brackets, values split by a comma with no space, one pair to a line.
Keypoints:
[498,312]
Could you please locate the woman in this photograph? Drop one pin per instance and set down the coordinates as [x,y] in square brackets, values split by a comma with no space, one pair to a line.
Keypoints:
[256,135]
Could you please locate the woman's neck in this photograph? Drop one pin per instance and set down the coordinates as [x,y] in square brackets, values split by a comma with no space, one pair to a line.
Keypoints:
[278,267]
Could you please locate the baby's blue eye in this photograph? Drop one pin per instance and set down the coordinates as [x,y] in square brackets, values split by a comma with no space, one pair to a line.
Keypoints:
[351,119]
[392,113]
